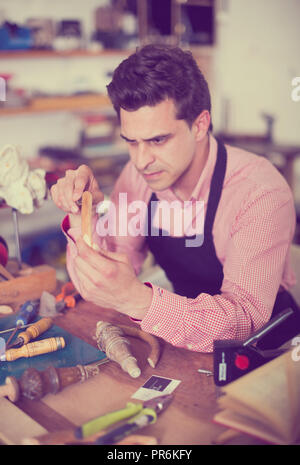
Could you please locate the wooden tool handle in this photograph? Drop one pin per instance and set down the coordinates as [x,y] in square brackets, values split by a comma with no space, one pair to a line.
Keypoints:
[86,217]
[36,329]
[36,384]
[36,348]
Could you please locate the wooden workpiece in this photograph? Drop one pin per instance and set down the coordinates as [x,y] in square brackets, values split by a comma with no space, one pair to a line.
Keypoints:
[27,285]
[86,217]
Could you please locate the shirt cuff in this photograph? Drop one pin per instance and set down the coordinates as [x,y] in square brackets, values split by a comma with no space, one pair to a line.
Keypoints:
[165,315]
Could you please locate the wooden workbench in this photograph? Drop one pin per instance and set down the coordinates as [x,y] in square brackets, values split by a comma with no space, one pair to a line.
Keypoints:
[187,421]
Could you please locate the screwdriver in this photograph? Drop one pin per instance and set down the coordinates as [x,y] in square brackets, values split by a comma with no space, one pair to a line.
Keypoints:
[27,313]
[32,332]
[33,349]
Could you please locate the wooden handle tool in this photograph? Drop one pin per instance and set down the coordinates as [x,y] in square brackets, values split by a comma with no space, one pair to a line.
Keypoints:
[86,217]
[32,332]
[34,348]
[35,384]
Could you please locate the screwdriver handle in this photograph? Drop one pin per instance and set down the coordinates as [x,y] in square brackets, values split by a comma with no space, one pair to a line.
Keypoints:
[35,348]
[36,330]
[27,313]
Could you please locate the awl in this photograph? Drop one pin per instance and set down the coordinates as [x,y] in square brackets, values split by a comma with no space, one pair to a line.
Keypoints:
[148,415]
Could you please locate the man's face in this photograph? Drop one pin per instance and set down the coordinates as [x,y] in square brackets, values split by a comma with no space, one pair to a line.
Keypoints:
[160,146]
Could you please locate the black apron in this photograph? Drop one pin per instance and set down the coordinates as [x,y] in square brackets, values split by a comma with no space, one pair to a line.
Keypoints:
[193,270]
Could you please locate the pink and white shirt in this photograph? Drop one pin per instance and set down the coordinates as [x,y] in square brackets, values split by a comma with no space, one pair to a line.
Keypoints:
[253,230]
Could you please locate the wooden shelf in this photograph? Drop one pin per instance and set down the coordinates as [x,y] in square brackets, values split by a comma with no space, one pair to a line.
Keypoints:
[48,104]
[28,54]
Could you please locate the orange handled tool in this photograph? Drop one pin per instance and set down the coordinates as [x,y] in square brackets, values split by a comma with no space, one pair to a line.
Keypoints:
[34,348]
[68,297]
[67,289]
[32,332]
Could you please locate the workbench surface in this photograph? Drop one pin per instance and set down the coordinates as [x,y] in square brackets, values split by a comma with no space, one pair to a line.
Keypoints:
[187,421]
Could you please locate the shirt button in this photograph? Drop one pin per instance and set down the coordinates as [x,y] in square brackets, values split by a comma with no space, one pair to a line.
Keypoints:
[190,346]
[156,327]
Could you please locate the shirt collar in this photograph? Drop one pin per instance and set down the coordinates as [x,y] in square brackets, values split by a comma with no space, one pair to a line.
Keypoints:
[204,178]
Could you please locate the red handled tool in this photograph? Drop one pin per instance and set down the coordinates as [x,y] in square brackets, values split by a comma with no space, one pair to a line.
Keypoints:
[68,297]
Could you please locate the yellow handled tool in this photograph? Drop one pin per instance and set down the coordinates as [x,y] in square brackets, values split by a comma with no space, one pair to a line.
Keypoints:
[34,348]
[32,332]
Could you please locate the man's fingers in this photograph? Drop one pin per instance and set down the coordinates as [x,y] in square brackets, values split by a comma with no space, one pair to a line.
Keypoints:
[70,188]
[113,256]
[94,259]
[80,183]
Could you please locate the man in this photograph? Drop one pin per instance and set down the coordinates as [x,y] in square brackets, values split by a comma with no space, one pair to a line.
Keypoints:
[228,284]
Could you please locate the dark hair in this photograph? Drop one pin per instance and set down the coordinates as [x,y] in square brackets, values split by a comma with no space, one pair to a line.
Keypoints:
[156,72]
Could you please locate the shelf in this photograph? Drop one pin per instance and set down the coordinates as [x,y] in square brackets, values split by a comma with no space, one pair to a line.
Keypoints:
[28,54]
[48,104]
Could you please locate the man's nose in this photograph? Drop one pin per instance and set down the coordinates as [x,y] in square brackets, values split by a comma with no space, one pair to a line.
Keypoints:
[143,156]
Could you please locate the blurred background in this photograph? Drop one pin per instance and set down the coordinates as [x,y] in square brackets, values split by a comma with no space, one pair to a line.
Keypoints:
[56,59]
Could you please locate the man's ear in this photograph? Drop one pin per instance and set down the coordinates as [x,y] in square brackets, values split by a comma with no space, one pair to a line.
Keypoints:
[201,125]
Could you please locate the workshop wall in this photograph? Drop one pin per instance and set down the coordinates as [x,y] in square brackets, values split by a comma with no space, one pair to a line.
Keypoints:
[55,75]
[250,66]
[257,56]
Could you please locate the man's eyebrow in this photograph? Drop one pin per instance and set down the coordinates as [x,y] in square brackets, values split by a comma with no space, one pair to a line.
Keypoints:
[126,138]
[159,136]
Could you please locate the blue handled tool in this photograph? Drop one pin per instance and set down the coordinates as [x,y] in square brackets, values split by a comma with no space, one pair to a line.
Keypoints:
[27,313]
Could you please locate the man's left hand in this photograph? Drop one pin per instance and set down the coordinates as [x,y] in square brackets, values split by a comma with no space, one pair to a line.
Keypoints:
[108,279]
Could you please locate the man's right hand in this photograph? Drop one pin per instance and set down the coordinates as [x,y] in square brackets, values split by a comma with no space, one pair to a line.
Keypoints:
[70,188]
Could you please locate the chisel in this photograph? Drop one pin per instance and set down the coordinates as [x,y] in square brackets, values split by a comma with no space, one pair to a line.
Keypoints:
[32,332]
[33,349]
[28,312]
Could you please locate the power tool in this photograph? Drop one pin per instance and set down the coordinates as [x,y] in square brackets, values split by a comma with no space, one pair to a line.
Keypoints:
[233,359]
